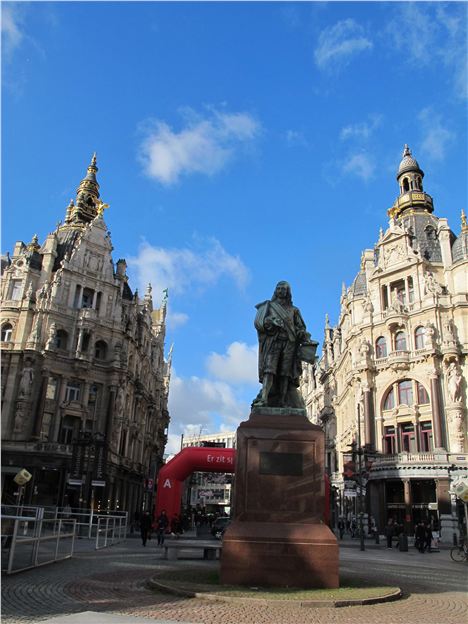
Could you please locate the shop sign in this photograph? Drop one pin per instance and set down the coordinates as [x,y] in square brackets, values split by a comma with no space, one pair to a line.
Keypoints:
[350,493]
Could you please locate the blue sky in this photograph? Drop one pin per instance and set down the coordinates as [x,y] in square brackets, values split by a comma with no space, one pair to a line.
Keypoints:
[238,144]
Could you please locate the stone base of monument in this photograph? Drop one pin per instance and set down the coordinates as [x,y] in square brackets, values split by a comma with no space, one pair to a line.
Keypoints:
[270,554]
[278,537]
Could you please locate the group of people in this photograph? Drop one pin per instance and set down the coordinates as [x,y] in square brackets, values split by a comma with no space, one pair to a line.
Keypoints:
[350,525]
[425,538]
[161,525]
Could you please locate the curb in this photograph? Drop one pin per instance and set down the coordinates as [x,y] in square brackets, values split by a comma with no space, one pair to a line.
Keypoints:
[395,595]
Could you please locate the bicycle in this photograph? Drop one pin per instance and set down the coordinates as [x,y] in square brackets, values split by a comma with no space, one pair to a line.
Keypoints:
[459,553]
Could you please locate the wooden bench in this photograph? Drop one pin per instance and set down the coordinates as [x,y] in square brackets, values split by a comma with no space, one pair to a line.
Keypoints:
[211,549]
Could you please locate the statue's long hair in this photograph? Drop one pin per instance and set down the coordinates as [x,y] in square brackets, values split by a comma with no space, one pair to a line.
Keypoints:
[289,296]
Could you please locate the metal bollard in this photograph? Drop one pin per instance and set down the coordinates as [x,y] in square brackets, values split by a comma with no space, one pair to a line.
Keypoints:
[377,537]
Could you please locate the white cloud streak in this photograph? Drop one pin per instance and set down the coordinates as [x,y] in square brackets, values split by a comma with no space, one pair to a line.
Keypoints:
[362,130]
[338,44]
[432,34]
[12,29]
[437,137]
[183,269]
[204,145]
[238,365]
[360,165]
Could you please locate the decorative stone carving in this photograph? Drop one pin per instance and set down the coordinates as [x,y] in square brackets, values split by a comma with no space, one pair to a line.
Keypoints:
[431,285]
[50,344]
[26,382]
[20,418]
[456,426]
[429,336]
[454,383]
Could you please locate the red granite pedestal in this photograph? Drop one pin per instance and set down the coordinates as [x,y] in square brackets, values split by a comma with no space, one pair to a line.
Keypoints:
[277,537]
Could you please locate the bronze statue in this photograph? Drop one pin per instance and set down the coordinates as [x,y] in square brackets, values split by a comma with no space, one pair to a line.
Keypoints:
[284,343]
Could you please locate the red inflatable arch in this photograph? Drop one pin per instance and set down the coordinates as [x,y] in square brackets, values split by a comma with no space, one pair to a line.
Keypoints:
[190,459]
[201,459]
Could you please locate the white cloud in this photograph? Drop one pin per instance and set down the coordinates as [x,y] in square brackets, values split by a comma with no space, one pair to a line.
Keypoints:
[176,319]
[182,269]
[12,33]
[198,402]
[204,145]
[432,34]
[437,137]
[238,365]
[362,130]
[293,137]
[360,165]
[337,44]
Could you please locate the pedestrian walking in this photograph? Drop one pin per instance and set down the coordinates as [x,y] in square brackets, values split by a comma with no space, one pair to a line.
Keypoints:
[389,532]
[341,527]
[145,527]
[161,526]
[428,537]
[420,536]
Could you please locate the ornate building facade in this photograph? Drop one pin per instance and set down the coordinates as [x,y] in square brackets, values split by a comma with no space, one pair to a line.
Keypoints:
[392,376]
[84,379]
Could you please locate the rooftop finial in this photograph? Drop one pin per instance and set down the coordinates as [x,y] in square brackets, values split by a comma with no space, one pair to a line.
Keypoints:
[406,150]
[463,220]
[93,160]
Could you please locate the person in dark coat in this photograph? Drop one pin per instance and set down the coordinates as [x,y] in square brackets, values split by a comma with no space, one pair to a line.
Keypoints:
[389,532]
[428,537]
[145,527]
[420,537]
[341,527]
[161,526]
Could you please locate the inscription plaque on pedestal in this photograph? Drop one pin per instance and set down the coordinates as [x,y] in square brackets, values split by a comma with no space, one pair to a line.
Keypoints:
[277,536]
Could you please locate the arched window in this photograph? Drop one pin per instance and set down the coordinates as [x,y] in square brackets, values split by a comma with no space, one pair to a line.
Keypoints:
[61,339]
[423,397]
[405,185]
[419,337]
[380,347]
[7,332]
[400,341]
[389,402]
[405,392]
[100,350]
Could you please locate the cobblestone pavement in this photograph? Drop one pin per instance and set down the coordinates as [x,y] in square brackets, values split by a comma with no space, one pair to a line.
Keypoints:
[113,581]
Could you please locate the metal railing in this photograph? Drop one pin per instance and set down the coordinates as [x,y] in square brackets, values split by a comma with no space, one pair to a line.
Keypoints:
[33,536]
[29,541]
[110,530]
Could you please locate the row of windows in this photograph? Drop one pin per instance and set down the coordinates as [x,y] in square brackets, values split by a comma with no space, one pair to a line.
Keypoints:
[72,391]
[61,341]
[400,342]
[405,391]
[408,438]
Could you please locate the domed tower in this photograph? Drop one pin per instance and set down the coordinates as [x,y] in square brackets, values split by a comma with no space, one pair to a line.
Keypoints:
[413,209]
[412,196]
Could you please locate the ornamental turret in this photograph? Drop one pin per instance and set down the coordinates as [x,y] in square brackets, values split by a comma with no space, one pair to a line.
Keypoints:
[87,204]
[412,196]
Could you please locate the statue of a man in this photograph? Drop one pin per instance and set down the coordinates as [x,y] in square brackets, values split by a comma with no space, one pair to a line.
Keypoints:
[283,342]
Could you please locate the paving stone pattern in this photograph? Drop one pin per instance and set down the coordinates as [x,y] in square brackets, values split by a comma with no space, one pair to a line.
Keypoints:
[113,581]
